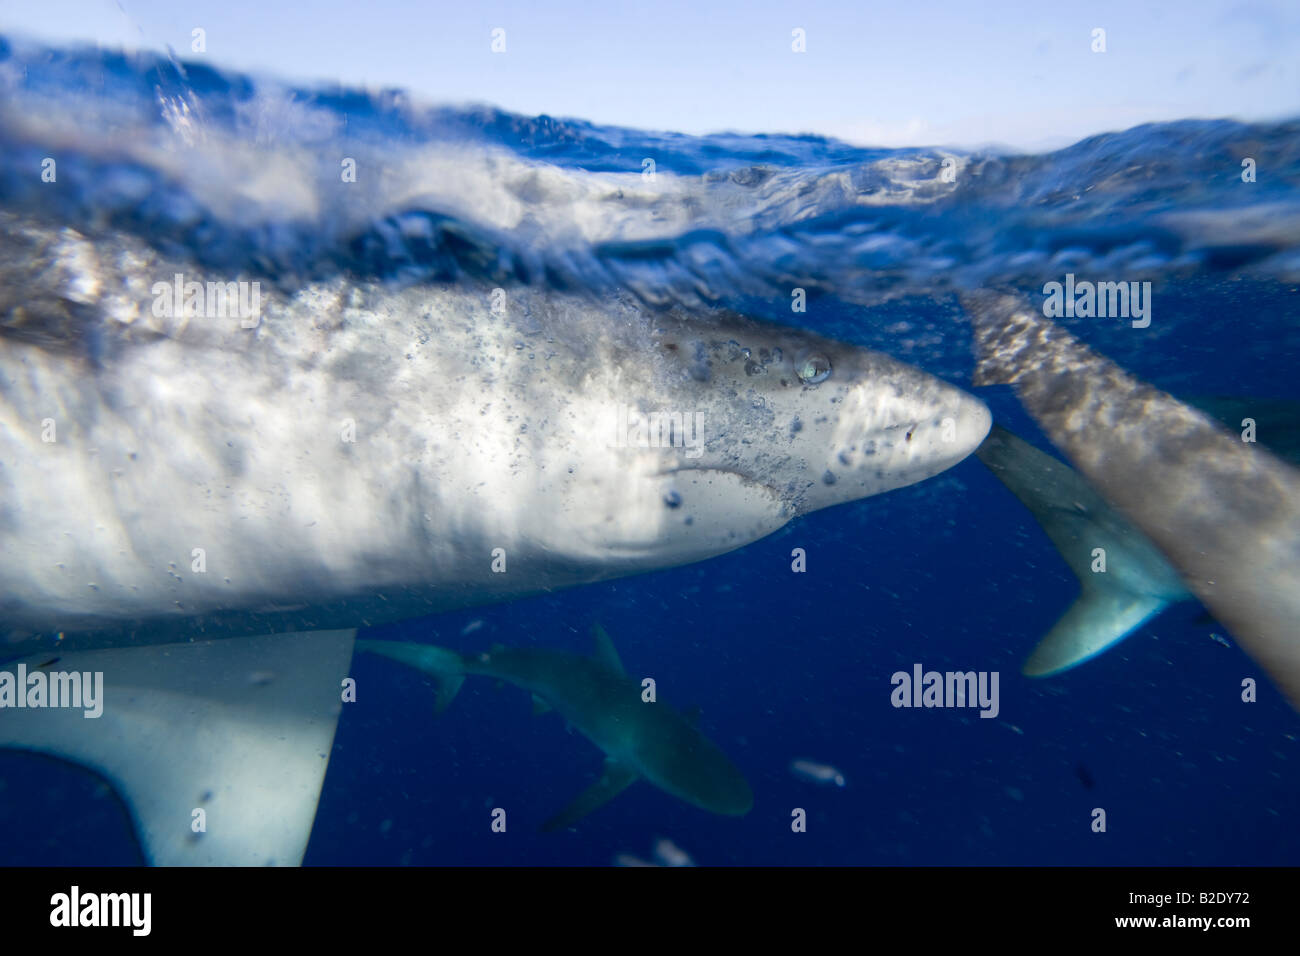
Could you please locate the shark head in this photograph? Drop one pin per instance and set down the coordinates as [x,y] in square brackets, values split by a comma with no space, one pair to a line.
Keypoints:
[674,756]
[815,421]
[732,426]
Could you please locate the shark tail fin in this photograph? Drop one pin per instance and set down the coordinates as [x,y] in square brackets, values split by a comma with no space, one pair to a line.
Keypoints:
[616,778]
[1071,512]
[1100,618]
[445,666]
[239,729]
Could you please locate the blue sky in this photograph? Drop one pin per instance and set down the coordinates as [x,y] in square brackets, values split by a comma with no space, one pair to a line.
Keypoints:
[938,72]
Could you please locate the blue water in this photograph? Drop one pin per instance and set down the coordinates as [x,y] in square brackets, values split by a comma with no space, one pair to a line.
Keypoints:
[951,573]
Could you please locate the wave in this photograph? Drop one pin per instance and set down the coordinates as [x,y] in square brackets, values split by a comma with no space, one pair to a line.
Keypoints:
[249,174]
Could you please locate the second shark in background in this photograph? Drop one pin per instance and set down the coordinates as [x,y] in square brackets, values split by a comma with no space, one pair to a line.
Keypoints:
[641,739]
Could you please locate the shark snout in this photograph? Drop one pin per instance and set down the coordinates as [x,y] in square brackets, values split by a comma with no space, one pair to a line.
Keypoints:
[728,793]
[955,424]
[740,802]
[887,438]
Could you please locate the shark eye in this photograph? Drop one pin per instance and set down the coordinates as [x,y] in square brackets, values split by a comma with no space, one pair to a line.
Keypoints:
[813,369]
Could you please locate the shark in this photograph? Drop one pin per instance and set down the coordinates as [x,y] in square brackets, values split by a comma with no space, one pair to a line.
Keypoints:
[642,739]
[203,505]
[1224,513]
[1138,582]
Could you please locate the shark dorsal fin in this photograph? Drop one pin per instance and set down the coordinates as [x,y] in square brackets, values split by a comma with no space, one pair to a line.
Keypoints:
[605,652]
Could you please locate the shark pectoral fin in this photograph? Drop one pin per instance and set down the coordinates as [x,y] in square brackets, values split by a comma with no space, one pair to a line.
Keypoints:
[605,652]
[540,706]
[238,728]
[448,688]
[616,778]
[1101,616]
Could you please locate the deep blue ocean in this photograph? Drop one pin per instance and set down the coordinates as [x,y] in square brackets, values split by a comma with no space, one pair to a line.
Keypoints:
[952,573]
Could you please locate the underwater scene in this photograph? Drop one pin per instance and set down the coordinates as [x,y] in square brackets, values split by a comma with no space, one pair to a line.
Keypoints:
[386,482]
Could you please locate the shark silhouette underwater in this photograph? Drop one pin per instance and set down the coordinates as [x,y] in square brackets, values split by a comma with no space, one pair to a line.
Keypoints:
[209,512]
[642,739]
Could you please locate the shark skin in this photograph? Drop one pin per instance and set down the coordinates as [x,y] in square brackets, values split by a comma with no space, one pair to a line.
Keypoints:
[361,452]
[641,741]
[1225,513]
[369,453]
